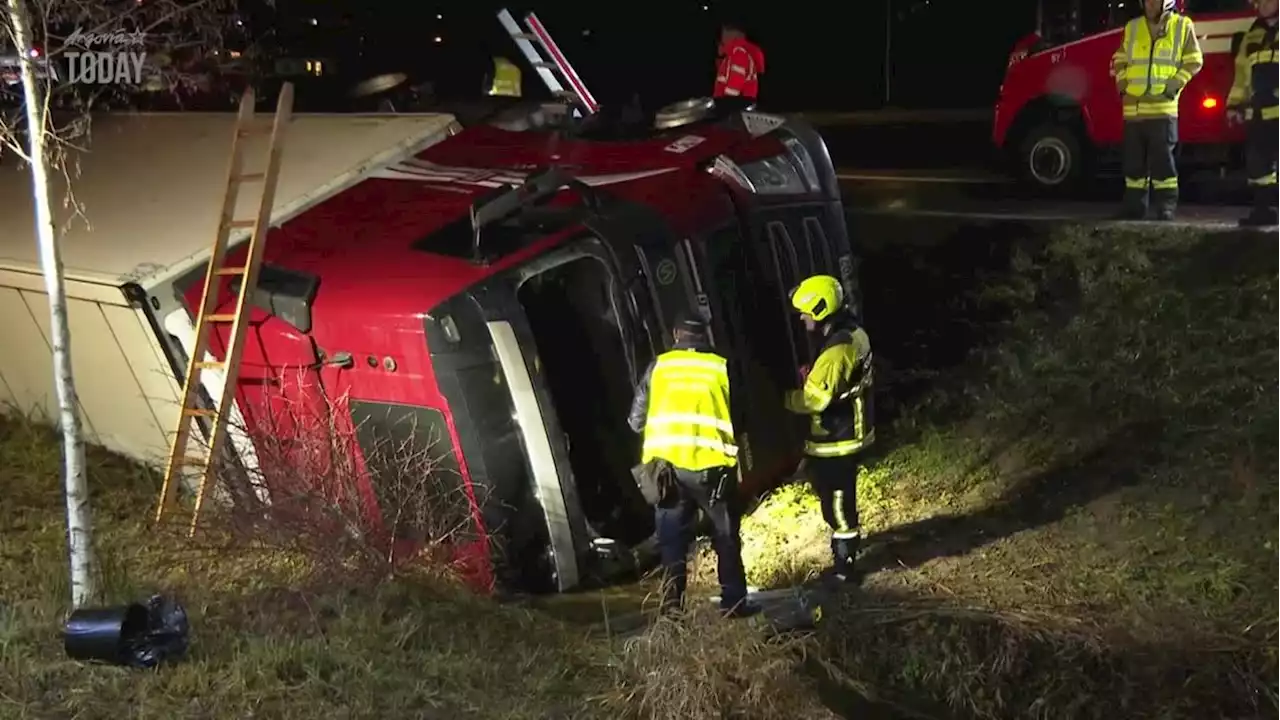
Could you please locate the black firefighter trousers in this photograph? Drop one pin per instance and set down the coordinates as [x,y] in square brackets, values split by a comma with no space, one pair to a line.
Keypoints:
[835,481]
[1147,163]
[1260,151]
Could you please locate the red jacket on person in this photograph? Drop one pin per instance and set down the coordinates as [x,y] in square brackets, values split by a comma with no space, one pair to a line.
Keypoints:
[739,67]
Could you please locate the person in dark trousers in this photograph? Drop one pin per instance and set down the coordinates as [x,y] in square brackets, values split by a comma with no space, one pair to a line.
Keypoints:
[682,407]
[836,396]
[1253,99]
[1157,57]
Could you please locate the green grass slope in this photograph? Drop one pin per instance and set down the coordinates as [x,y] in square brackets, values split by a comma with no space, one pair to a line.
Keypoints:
[1071,512]
[1073,508]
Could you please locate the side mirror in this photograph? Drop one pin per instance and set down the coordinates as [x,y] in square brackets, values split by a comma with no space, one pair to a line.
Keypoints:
[1236,39]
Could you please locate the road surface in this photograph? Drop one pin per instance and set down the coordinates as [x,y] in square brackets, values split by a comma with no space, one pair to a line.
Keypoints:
[982,194]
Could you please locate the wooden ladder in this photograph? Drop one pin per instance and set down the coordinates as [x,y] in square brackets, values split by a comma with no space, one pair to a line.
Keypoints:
[191,408]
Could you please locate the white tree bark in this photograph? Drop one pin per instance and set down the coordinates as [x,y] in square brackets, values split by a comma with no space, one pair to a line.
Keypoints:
[76,487]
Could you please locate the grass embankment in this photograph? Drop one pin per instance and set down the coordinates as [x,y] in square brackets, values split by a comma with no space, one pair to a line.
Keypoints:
[1077,516]
[274,636]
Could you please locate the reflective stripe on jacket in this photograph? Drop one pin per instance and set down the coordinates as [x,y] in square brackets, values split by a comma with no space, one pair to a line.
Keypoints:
[1254,87]
[738,70]
[837,396]
[1151,72]
[688,422]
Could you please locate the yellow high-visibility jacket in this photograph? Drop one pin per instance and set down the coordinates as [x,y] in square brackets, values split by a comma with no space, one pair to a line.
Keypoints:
[506,79]
[1255,85]
[837,396]
[688,422]
[1151,70]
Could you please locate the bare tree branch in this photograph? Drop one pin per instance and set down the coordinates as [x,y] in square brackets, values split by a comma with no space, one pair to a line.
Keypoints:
[47,50]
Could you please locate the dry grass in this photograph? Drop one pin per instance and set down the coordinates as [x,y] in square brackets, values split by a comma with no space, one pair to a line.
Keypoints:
[1074,520]
[701,668]
[1078,519]
[280,632]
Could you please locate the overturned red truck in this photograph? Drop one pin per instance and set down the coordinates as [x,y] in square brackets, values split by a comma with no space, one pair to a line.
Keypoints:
[488,295]
[500,293]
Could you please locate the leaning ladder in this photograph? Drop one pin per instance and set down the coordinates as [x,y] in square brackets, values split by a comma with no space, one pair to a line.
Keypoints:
[529,42]
[266,180]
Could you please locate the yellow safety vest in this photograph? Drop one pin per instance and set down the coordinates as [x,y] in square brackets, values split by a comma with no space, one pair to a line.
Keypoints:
[688,423]
[837,396]
[1150,65]
[506,79]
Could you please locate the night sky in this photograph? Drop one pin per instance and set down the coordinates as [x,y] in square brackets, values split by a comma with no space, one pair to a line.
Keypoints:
[820,55]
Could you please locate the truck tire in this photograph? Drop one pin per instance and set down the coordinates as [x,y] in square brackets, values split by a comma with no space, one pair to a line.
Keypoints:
[1050,157]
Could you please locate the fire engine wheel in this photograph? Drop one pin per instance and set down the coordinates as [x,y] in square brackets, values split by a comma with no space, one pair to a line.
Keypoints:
[1050,157]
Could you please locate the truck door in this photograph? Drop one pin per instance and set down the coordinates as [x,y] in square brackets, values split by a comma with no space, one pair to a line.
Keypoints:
[516,440]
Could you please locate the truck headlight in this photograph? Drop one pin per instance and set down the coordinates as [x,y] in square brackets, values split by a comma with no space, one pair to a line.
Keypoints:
[791,174]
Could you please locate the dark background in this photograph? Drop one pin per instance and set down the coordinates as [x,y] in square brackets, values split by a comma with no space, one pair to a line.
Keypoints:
[820,55]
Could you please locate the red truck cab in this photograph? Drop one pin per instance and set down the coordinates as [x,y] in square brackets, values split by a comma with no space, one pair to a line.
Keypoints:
[489,303]
[1058,116]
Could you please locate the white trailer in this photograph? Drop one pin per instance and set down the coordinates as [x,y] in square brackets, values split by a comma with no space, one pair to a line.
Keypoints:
[144,202]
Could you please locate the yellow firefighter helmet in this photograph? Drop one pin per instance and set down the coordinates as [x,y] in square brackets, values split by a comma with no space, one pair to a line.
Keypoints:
[818,296]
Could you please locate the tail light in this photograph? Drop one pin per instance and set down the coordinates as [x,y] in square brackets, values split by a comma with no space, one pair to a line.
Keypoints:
[1209,102]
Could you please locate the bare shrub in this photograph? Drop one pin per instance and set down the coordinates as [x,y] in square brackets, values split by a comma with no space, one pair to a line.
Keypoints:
[303,482]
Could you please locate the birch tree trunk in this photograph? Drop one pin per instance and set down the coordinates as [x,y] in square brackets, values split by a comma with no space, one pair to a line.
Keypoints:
[76,487]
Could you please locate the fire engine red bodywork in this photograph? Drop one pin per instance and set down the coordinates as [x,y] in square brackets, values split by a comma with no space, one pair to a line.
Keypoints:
[1077,75]
[376,288]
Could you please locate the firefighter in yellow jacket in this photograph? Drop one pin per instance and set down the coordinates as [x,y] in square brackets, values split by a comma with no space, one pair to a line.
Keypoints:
[1157,57]
[682,407]
[1253,99]
[504,80]
[837,397]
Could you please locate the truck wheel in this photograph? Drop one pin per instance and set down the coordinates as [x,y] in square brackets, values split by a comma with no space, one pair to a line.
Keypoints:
[1049,157]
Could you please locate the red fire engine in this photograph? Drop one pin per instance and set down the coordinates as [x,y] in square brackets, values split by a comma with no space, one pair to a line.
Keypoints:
[1058,115]
[494,298]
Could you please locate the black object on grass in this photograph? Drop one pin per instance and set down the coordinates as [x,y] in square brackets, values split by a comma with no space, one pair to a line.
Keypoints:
[138,635]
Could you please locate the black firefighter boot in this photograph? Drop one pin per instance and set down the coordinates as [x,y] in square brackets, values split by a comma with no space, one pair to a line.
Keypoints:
[844,570]
[1165,202]
[1134,205]
[1263,213]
